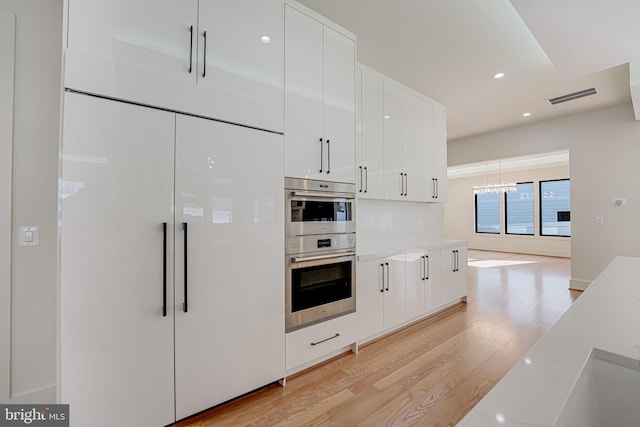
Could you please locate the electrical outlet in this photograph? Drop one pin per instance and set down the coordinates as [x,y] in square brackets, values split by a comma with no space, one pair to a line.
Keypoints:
[599,220]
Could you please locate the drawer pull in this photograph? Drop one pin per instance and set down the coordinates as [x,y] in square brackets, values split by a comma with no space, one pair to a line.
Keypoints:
[326,339]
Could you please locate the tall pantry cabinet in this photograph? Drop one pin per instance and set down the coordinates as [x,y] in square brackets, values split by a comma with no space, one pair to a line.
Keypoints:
[159,319]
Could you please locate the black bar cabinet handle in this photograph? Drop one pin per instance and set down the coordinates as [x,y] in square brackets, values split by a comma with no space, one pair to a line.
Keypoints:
[328,155]
[406,184]
[164,269]
[433,188]
[326,339]
[422,268]
[387,265]
[360,190]
[401,184]
[190,49]
[382,269]
[437,188]
[427,267]
[321,155]
[204,59]
[366,179]
[186,287]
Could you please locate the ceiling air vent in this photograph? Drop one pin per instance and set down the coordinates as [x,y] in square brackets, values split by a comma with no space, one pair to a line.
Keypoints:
[572,96]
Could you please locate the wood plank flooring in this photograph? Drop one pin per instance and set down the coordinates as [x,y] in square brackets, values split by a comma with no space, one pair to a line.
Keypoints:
[429,374]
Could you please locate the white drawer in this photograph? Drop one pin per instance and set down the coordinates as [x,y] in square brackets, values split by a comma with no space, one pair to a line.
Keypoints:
[318,341]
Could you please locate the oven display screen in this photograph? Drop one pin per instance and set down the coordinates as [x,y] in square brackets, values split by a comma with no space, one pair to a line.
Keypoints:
[320,211]
[324,243]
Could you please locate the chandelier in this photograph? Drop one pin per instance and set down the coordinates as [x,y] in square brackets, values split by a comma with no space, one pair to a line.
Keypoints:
[499,187]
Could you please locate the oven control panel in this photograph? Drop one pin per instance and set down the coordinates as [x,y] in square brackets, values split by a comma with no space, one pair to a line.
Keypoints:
[319,243]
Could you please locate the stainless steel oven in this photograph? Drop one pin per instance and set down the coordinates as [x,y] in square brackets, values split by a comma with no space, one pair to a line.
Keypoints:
[319,252]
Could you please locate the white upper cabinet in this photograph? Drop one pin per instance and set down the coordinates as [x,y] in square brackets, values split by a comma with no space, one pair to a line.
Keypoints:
[417,140]
[401,142]
[370,148]
[319,100]
[439,153]
[154,53]
[394,179]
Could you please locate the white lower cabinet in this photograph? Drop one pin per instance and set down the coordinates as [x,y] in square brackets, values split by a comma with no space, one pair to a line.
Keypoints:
[396,290]
[380,294]
[160,320]
[317,342]
[454,273]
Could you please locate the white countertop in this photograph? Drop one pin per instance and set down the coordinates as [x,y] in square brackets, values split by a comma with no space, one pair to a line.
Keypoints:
[605,316]
[384,252]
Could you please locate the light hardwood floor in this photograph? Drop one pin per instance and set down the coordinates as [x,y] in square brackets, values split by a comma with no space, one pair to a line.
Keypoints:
[431,373]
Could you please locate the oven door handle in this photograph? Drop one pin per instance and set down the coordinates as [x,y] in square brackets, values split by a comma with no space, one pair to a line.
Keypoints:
[322,195]
[319,257]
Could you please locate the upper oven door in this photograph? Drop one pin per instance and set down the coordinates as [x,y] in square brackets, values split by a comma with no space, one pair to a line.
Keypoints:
[319,213]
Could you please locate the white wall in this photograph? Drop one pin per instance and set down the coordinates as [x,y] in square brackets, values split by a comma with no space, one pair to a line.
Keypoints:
[604,147]
[28,333]
[460,222]
[387,226]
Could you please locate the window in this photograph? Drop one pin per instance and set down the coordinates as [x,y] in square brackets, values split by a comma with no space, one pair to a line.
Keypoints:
[519,209]
[488,213]
[555,208]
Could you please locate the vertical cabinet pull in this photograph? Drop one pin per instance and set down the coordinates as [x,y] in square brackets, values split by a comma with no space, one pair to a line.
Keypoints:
[164,269]
[422,268]
[366,179]
[321,155]
[427,267]
[186,287]
[433,188]
[328,155]
[382,270]
[361,183]
[406,184]
[387,285]
[204,57]
[401,184]
[437,188]
[190,49]
[455,261]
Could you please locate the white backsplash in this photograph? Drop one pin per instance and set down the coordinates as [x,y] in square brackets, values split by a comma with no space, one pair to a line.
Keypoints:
[384,225]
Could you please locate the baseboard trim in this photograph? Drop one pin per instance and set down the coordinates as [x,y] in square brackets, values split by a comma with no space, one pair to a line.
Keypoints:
[578,284]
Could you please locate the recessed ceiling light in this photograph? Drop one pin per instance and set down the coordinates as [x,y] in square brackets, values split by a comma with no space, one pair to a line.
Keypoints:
[386,116]
[265,39]
[498,75]
[527,114]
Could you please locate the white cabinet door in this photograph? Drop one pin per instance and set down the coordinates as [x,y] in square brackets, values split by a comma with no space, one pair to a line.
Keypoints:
[229,338]
[116,349]
[432,281]
[415,274]
[440,153]
[243,58]
[304,75]
[370,297]
[339,106]
[460,286]
[130,49]
[393,172]
[371,166]
[417,139]
[454,273]
[319,100]
[394,287]
[153,52]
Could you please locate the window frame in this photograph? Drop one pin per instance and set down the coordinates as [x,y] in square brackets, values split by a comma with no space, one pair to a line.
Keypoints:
[499,232]
[541,197]
[506,211]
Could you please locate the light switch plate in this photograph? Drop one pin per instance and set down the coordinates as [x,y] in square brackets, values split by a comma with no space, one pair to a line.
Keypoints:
[28,235]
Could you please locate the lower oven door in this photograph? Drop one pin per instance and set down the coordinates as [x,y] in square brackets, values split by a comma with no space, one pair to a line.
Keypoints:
[319,287]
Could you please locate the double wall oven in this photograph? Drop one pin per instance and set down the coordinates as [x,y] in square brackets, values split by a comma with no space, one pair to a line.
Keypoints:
[319,251]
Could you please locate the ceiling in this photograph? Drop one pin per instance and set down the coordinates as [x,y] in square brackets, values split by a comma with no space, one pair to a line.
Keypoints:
[450,50]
